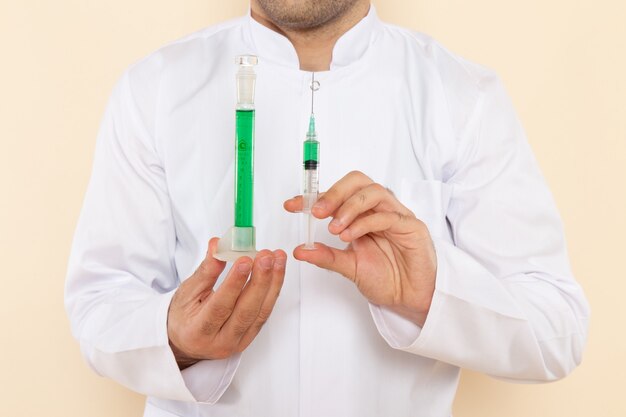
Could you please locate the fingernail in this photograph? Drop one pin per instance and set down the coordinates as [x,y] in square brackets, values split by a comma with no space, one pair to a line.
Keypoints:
[267,262]
[280,263]
[320,205]
[336,223]
[244,268]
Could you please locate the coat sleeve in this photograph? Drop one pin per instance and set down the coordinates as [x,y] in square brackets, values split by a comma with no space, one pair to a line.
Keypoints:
[121,273]
[505,303]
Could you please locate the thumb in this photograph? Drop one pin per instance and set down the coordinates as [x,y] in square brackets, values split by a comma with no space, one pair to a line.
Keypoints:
[341,261]
[208,271]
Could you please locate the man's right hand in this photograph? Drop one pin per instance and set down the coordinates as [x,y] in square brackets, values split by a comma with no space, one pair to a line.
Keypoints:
[204,323]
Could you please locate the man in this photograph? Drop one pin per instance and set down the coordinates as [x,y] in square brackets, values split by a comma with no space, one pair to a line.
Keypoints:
[435,212]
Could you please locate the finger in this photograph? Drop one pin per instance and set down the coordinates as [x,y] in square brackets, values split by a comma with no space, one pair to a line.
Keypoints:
[220,305]
[341,261]
[394,222]
[249,302]
[205,276]
[278,276]
[294,205]
[372,197]
[339,193]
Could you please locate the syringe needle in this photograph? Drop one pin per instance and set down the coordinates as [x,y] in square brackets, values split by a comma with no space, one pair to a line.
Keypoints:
[312,91]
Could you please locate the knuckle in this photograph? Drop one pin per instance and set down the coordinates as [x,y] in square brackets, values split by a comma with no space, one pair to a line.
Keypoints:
[239,329]
[246,317]
[221,312]
[209,327]
[354,204]
[359,177]
[263,253]
[404,216]
[376,187]
[264,315]
[257,327]
[409,215]
[420,223]
[280,254]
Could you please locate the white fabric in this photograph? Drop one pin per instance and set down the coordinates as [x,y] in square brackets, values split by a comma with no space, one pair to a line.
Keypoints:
[435,128]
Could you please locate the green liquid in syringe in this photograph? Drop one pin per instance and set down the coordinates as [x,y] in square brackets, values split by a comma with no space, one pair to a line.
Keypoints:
[311,154]
[244,168]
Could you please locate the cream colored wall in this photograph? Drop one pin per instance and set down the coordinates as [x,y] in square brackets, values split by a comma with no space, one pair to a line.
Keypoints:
[563,63]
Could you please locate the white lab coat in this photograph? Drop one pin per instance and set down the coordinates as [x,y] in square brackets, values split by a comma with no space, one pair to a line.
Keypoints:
[436,129]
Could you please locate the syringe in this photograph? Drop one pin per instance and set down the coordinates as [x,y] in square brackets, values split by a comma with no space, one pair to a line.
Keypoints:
[311,166]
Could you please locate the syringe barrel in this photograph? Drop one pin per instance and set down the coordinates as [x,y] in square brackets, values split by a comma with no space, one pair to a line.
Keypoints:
[311,153]
[310,189]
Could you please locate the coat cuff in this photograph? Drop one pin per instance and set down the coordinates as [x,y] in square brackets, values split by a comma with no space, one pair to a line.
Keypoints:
[403,334]
[208,380]
[203,382]
[145,363]
[469,309]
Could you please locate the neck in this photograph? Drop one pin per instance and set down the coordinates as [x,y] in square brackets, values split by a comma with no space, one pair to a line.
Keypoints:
[315,46]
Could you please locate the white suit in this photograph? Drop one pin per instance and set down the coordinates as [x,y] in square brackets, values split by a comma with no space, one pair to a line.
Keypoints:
[436,129]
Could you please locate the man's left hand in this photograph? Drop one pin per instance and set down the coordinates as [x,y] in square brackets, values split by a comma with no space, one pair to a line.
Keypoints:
[390,256]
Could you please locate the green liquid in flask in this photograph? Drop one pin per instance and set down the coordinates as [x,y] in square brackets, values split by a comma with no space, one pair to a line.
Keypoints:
[244,168]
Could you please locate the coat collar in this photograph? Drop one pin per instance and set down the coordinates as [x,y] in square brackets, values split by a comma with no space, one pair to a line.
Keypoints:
[350,47]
